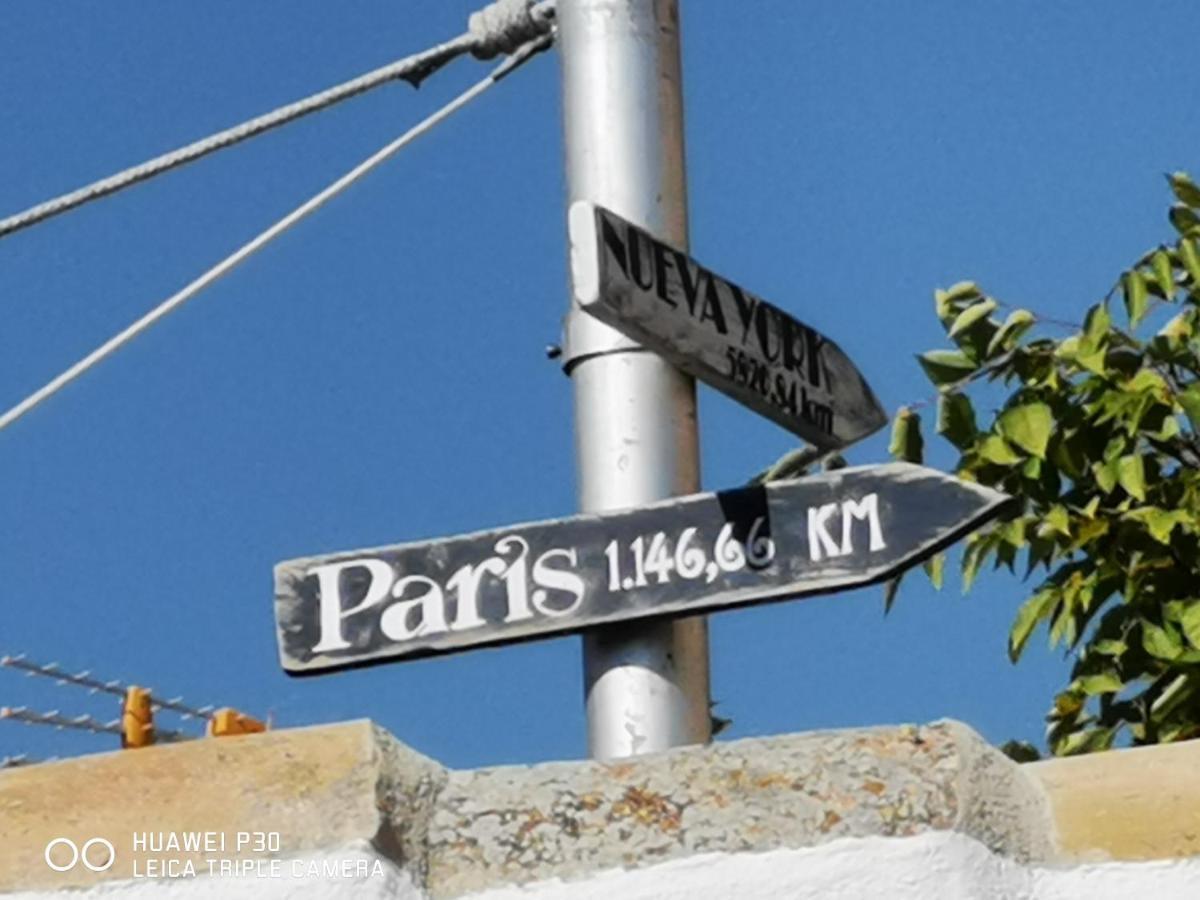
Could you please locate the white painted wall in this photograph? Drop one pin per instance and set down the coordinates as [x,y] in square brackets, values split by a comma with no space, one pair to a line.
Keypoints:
[937,866]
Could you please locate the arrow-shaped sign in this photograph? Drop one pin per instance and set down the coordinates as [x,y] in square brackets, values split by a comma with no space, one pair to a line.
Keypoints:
[687,555]
[718,332]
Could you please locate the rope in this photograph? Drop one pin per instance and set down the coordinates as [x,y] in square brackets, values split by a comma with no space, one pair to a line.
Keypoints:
[501,27]
[247,250]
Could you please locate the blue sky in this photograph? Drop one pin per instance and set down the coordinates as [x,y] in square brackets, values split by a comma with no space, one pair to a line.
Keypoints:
[378,375]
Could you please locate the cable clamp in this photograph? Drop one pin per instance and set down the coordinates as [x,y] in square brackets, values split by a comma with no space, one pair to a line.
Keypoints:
[506,25]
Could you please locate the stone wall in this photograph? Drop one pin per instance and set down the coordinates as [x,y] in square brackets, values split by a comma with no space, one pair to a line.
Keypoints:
[919,812]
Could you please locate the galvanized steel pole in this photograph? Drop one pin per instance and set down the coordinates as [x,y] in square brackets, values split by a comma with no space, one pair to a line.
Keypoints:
[635,427]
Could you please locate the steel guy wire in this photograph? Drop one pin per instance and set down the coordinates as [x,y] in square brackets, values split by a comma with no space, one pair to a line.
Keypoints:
[86,680]
[249,249]
[501,27]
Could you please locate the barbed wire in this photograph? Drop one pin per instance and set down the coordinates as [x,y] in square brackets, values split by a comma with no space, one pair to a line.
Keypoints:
[56,719]
[85,680]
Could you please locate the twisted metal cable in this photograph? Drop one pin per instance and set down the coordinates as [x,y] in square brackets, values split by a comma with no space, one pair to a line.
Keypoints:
[249,249]
[499,30]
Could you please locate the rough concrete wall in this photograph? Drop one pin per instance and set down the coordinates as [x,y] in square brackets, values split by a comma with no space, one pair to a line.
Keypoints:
[521,824]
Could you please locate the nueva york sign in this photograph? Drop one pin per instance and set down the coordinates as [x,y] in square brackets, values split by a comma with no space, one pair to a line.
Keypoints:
[718,332]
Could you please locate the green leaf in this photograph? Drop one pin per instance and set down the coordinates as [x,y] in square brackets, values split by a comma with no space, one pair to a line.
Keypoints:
[1189,399]
[1068,704]
[1179,328]
[980,309]
[1164,274]
[1131,473]
[1161,643]
[995,449]
[1105,473]
[956,420]
[1097,324]
[946,367]
[1137,299]
[1013,531]
[978,548]
[1056,521]
[907,444]
[1028,426]
[1189,255]
[947,302]
[1159,522]
[1092,358]
[1104,683]
[1032,611]
[1185,189]
[1186,221]
[1170,428]
[935,568]
[1018,322]
[1110,647]
[1093,740]
[1190,622]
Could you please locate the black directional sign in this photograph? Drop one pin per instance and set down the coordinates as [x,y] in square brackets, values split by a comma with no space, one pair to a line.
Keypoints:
[687,555]
[718,332]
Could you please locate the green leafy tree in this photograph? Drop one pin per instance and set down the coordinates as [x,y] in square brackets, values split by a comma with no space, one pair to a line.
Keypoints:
[1096,433]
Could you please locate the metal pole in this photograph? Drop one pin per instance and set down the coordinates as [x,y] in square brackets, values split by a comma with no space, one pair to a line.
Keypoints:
[635,420]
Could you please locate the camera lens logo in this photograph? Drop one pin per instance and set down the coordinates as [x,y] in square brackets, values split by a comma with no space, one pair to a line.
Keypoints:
[63,854]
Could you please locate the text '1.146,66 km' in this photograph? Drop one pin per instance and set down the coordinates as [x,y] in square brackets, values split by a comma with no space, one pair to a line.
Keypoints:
[691,554]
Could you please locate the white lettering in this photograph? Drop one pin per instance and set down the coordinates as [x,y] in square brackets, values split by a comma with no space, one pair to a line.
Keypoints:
[430,607]
[818,538]
[867,508]
[516,582]
[329,579]
[465,584]
[545,576]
